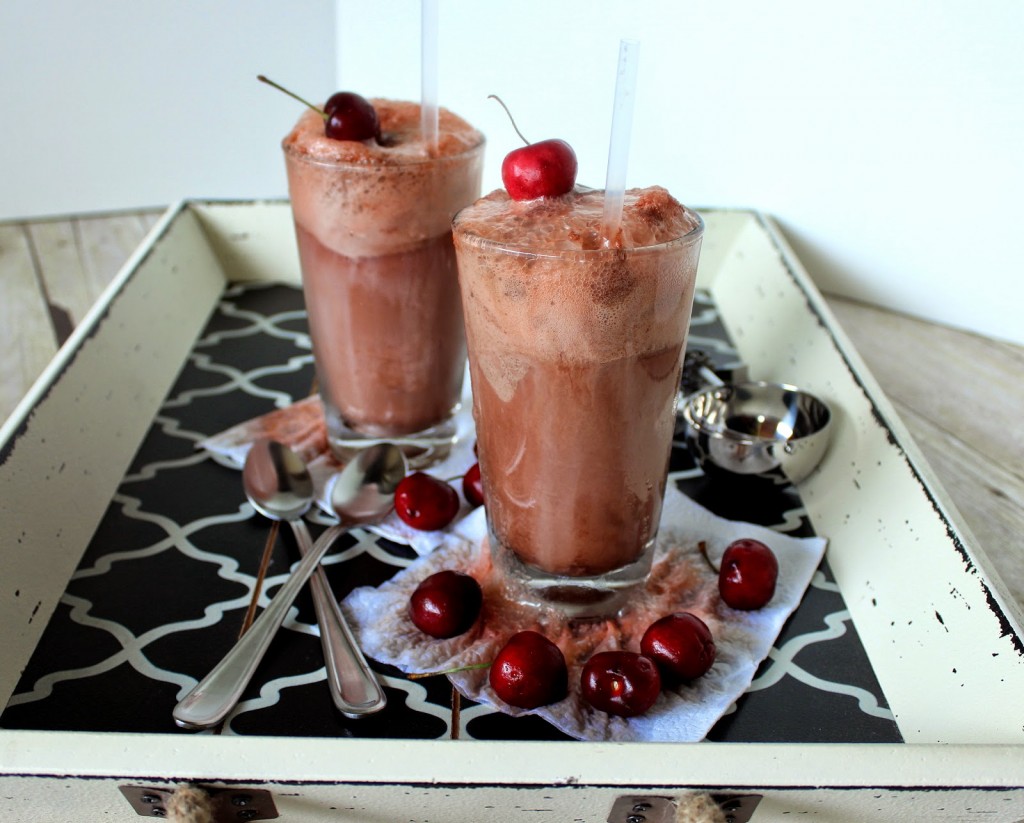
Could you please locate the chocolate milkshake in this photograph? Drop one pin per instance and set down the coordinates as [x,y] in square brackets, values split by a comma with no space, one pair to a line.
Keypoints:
[575,354]
[373,225]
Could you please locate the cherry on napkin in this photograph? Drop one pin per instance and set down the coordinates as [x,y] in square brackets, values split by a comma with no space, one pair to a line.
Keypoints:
[301,427]
[680,581]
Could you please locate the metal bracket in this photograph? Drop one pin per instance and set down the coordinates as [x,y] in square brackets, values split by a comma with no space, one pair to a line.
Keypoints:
[736,808]
[642,809]
[226,805]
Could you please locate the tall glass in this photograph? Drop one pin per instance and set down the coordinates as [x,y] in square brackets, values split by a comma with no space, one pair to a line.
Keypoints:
[373,225]
[575,358]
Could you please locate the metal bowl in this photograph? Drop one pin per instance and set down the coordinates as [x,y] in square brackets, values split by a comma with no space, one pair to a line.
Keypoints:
[757,428]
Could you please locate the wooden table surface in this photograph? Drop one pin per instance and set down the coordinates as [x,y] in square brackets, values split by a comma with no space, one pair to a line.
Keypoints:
[958,394]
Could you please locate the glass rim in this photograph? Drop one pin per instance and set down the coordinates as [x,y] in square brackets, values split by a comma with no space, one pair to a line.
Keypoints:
[370,165]
[491,244]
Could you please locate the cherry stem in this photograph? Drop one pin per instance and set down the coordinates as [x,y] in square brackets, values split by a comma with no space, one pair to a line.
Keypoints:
[702,547]
[510,117]
[468,668]
[292,94]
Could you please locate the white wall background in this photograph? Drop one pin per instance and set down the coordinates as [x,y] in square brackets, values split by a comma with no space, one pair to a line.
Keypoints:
[115,104]
[885,136]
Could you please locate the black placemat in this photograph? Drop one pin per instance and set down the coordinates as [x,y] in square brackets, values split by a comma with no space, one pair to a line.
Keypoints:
[164,584]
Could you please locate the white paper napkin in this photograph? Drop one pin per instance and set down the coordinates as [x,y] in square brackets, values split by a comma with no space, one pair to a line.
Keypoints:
[680,581]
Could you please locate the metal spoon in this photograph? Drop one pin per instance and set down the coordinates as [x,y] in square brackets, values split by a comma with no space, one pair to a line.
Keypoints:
[279,486]
[362,493]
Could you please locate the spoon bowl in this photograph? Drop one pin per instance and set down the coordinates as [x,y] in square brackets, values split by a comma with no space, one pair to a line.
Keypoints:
[366,495]
[276,481]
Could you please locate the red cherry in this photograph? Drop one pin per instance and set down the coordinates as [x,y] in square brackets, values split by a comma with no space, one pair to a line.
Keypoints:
[347,116]
[529,671]
[544,169]
[621,683]
[681,645]
[446,603]
[472,486]
[350,117]
[425,502]
[746,578]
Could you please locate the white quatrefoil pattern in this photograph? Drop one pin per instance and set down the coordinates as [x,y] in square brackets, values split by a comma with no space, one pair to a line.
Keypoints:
[165,583]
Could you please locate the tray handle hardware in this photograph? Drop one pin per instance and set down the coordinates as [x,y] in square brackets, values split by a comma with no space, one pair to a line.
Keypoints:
[732,808]
[226,805]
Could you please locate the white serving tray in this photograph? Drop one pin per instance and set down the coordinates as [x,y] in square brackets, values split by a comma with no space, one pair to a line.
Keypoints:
[945,641]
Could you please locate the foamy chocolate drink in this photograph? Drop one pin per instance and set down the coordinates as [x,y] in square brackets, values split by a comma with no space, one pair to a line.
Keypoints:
[373,224]
[575,357]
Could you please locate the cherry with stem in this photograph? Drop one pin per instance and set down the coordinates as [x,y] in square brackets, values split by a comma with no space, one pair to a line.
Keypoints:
[544,169]
[346,115]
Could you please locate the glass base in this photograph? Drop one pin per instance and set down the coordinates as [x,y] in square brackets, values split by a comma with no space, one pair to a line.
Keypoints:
[579,598]
[421,449]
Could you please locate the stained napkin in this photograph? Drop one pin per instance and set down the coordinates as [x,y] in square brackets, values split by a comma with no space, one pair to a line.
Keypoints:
[681,580]
[301,426]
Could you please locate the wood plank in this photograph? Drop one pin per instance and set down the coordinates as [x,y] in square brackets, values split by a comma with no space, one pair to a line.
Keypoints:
[105,243]
[148,219]
[59,261]
[988,496]
[26,333]
[78,258]
[947,376]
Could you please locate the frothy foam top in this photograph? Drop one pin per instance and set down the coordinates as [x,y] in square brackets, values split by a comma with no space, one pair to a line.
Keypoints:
[650,217]
[400,137]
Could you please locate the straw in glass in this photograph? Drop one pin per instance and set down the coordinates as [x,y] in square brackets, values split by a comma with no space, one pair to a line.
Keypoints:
[428,72]
[618,144]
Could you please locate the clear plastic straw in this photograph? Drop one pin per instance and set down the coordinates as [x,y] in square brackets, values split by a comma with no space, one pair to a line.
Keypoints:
[428,72]
[618,145]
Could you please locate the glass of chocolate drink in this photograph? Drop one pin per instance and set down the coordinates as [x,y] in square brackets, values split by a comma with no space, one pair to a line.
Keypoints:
[575,353]
[373,224]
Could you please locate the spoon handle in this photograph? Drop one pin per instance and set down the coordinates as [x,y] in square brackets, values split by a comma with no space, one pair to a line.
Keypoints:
[214,696]
[354,687]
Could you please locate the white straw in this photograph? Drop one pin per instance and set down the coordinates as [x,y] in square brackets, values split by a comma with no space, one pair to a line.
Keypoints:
[428,72]
[618,144]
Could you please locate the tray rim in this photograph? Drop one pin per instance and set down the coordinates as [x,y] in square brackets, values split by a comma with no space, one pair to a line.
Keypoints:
[31,753]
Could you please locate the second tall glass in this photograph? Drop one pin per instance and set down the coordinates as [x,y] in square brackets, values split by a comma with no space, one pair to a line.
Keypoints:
[373,225]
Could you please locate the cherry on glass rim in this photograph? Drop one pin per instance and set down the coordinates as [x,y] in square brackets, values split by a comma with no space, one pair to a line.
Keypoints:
[346,115]
[350,117]
[544,169]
